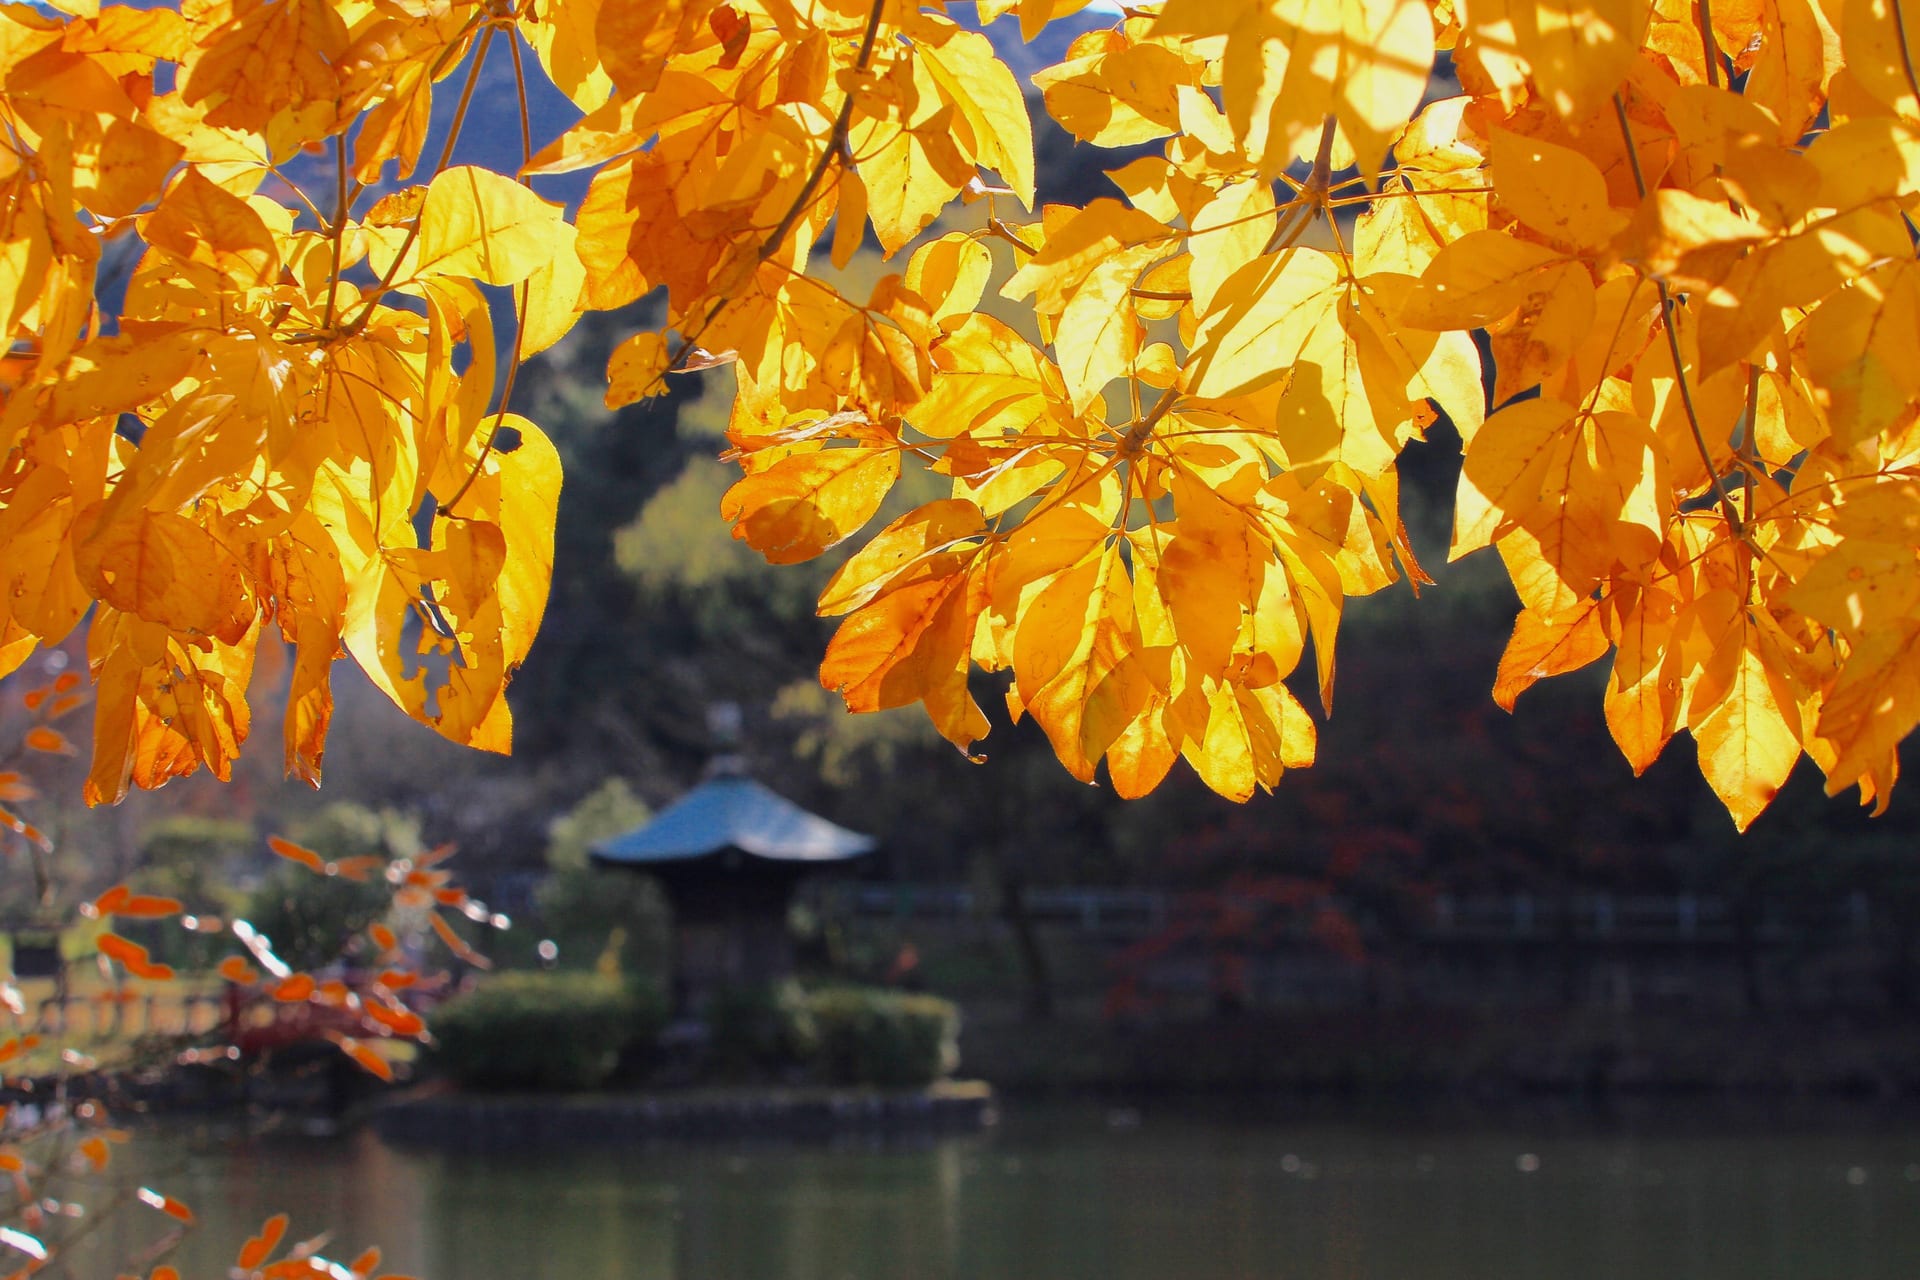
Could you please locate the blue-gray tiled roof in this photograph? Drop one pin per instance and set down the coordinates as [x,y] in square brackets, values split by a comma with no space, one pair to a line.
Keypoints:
[739,813]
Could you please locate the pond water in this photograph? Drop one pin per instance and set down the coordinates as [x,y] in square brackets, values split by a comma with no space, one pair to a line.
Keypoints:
[1166,1192]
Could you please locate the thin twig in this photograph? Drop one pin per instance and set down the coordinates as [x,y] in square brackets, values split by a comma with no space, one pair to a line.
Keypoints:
[446,155]
[1906,53]
[1136,437]
[338,232]
[1720,494]
[1703,11]
[520,317]
[836,149]
[836,142]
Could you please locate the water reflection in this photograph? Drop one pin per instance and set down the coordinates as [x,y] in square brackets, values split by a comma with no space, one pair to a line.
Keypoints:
[1065,1194]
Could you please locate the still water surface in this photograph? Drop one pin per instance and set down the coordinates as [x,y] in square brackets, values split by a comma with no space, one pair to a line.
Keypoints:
[1089,1193]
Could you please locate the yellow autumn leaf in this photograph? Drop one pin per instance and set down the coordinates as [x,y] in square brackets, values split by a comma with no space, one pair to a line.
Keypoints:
[1553,189]
[1263,316]
[638,369]
[805,503]
[167,569]
[478,223]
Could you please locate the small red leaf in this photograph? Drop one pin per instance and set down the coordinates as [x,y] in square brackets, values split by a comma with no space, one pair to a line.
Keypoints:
[235,969]
[457,944]
[297,853]
[366,1056]
[133,956]
[261,1247]
[165,1204]
[359,870]
[107,903]
[292,990]
[51,741]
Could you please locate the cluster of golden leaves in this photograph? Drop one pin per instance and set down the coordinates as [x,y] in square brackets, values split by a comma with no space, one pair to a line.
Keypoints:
[1170,435]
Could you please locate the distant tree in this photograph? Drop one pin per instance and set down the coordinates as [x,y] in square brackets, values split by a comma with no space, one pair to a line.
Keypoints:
[586,910]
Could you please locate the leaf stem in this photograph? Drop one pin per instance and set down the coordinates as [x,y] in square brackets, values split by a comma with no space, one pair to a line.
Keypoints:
[500,415]
[1001,230]
[1311,197]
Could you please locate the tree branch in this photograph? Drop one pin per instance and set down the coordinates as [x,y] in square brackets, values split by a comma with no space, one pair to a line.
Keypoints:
[836,143]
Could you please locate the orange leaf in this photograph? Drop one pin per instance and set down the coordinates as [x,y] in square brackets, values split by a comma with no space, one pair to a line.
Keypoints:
[67,681]
[294,989]
[117,901]
[402,1022]
[457,945]
[439,853]
[365,1263]
[382,936]
[148,907]
[296,853]
[164,1273]
[1543,647]
[25,830]
[260,1247]
[51,741]
[165,1204]
[235,969]
[97,1152]
[14,787]
[356,869]
[16,1046]
[107,903]
[133,956]
[365,1055]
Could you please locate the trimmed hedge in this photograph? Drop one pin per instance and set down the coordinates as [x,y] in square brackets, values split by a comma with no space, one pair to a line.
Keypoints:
[887,1038]
[543,1030]
[761,1027]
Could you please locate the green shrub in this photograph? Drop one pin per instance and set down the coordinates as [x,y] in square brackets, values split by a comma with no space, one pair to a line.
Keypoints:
[193,860]
[761,1026]
[886,1038]
[313,920]
[543,1030]
[588,911]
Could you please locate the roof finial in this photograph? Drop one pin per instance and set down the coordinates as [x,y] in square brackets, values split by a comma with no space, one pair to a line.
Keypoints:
[723,733]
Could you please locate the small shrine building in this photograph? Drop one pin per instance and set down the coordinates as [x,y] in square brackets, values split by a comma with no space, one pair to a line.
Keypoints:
[729,855]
